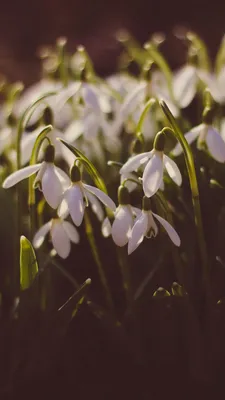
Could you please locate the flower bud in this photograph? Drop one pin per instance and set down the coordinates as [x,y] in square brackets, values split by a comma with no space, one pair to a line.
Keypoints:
[159,142]
[75,175]
[123,195]
[49,153]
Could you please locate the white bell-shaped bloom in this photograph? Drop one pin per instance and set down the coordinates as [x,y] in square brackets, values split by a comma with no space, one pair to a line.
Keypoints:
[185,85]
[205,135]
[155,161]
[74,199]
[145,225]
[53,180]
[62,233]
[215,83]
[123,219]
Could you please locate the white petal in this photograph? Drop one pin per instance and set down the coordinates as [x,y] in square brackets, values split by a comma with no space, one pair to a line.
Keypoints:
[216,145]
[133,99]
[184,85]
[51,186]
[190,137]
[103,197]
[74,197]
[136,211]
[71,231]
[95,205]
[134,162]
[169,229]
[60,239]
[172,170]
[63,177]
[153,175]
[40,234]
[152,227]
[106,227]
[122,225]
[63,210]
[19,175]
[138,232]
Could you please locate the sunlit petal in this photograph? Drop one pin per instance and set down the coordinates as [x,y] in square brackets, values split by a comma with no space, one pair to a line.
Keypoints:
[135,162]
[184,85]
[103,197]
[74,197]
[106,227]
[60,239]
[19,175]
[51,186]
[172,170]
[138,232]
[71,231]
[216,145]
[169,229]
[39,236]
[153,175]
[190,137]
[122,225]
[95,205]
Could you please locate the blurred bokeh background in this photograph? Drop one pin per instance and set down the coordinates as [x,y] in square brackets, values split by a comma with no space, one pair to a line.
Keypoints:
[25,25]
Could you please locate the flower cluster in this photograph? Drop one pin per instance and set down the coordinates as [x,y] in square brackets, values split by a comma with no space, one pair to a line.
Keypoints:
[118,118]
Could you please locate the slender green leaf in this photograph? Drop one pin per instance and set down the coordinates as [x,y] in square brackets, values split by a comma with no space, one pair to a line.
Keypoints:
[28,263]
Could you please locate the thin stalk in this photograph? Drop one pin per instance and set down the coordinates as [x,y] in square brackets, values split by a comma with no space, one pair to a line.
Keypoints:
[95,253]
[33,160]
[144,113]
[189,160]
[122,258]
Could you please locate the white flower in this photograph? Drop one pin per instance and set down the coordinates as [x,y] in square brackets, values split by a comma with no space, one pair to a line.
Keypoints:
[73,199]
[61,232]
[205,134]
[215,83]
[153,172]
[123,223]
[185,85]
[145,225]
[52,179]
[123,219]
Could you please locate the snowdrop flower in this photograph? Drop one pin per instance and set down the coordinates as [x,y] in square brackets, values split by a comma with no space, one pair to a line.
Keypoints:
[52,179]
[205,134]
[124,219]
[156,162]
[61,232]
[73,199]
[185,85]
[215,83]
[145,226]
[136,98]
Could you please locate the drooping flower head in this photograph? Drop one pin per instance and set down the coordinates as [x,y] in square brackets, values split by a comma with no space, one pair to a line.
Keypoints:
[207,138]
[74,198]
[61,232]
[145,226]
[50,179]
[155,161]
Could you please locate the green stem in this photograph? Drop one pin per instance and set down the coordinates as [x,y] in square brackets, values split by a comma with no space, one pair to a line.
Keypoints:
[189,160]
[122,258]
[144,113]
[33,160]
[95,253]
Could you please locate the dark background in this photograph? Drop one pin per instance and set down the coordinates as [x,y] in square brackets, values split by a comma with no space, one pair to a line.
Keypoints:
[25,25]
